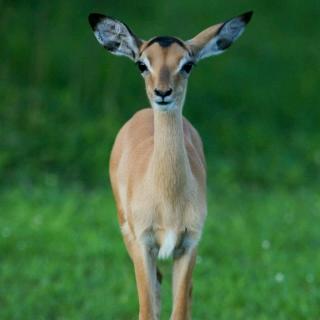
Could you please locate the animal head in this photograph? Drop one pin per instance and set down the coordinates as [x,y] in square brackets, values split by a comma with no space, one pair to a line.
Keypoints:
[166,62]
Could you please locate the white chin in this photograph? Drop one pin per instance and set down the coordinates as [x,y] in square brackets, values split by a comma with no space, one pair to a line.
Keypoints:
[164,107]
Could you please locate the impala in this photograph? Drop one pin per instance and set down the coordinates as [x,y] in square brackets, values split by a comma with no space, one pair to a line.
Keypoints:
[157,164]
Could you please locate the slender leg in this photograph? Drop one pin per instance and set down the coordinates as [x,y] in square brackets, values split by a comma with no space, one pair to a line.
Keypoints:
[182,285]
[147,283]
[148,276]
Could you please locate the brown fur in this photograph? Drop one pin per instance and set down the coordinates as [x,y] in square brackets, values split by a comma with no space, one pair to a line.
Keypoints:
[157,164]
[158,176]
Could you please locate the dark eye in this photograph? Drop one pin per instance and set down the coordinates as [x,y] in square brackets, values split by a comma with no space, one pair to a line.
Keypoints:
[187,67]
[142,67]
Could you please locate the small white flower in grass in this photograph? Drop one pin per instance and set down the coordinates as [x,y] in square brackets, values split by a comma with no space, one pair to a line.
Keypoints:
[265,244]
[279,277]
[37,220]
[310,277]
[199,260]
[6,232]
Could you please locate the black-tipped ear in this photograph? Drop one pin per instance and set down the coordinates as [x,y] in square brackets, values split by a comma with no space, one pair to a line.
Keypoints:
[94,19]
[115,36]
[246,17]
[216,39]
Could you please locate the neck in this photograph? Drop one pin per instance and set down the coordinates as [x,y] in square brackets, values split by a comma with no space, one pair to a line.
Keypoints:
[170,162]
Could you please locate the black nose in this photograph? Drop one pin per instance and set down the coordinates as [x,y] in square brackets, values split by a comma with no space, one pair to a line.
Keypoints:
[162,94]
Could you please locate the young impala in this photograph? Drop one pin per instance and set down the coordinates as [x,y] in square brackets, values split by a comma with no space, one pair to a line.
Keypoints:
[157,165]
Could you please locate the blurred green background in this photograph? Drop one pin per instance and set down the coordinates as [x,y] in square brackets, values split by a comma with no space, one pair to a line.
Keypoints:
[63,98]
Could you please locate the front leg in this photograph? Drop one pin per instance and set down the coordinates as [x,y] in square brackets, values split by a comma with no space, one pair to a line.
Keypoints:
[182,285]
[146,278]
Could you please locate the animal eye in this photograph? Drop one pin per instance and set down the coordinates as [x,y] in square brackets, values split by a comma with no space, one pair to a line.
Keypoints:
[142,67]
[187,67]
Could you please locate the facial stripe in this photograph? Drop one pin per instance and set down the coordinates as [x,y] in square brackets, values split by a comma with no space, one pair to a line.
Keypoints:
[164,75]
[146,61]
[183,61]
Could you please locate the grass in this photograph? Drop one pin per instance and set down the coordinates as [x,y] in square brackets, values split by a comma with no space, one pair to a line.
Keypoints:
[62,257]
[257,108]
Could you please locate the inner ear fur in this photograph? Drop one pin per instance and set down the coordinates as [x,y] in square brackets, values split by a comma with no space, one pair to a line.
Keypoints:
[198,42]
[217,38]
[115,36]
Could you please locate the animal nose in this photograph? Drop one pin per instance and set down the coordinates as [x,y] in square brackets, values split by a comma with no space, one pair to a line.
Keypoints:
[163,94]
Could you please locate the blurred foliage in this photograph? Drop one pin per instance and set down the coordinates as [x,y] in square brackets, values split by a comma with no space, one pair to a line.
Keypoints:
[63,99]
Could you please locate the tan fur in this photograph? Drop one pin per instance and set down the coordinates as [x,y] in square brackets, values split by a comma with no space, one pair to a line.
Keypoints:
[201,39]
[158,176]
[157,165]
[158,158]
[164,63]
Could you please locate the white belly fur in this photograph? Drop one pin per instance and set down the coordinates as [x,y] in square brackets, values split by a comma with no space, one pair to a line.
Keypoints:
[168,245]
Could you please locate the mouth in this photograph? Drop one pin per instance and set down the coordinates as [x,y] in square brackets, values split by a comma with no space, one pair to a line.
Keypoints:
[163,103]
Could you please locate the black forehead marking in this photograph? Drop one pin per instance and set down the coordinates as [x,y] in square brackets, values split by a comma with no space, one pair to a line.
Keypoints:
[166,41]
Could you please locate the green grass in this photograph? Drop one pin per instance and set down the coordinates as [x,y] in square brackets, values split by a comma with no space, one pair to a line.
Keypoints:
[62,257]
[63,99]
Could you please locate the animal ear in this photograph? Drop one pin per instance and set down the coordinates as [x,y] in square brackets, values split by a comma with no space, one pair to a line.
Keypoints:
[115,36]
[216,39]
